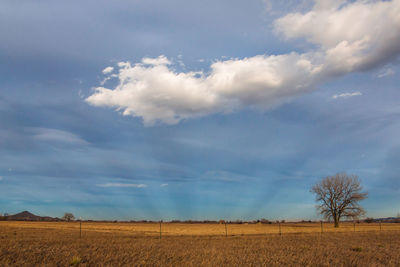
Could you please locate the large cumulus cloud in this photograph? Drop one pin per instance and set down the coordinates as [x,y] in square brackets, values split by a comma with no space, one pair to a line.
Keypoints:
[347,36]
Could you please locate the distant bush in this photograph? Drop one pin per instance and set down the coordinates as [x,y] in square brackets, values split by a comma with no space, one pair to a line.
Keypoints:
[369,220]
[265,221]
[3,217]
[68,216]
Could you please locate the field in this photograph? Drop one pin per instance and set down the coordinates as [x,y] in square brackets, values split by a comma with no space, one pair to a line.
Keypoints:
[132,244]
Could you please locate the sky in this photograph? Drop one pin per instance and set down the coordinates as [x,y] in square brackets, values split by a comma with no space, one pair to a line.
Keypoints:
[179,109]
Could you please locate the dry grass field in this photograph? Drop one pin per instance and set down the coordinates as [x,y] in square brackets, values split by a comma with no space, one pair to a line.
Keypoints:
[125,244]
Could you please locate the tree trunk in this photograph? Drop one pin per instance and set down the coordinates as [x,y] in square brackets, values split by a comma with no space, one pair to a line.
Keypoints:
[336,222]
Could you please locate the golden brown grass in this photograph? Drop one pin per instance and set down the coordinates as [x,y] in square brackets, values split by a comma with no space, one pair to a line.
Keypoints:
[120,244]
[178,229]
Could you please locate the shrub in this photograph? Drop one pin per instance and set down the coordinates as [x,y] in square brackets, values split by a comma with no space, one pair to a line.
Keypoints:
[369,220]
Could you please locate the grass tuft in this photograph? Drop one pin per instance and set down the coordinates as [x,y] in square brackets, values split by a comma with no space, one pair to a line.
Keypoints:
[76,260]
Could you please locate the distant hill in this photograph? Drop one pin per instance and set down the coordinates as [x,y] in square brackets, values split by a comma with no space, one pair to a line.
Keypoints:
[27,216]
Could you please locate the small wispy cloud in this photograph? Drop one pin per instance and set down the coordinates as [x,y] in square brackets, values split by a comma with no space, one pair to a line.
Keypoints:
[180,61]
[54,135]
[163,185]
[268,6]
[81,94]
[121,185]
[226,176]
[386,72]
[346,95]
[108,70]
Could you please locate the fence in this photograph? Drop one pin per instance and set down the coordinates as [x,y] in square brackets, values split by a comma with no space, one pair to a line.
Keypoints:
[162,229]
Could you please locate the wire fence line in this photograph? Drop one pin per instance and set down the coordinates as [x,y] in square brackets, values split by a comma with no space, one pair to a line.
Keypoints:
[162,229]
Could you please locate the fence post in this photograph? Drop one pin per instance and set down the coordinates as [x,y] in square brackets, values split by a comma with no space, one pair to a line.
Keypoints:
[380,226]
[160,229]
[354,224]
[280,231]
[80,228]
[322,228]
[226,230]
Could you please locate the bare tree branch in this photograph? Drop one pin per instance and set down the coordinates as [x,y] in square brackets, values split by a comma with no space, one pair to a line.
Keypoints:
[338,197]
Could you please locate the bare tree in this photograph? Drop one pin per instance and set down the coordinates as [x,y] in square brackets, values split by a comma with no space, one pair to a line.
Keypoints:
[68,216]
[338,197]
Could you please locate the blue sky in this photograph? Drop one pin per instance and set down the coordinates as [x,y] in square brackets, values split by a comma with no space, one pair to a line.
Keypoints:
[196,110]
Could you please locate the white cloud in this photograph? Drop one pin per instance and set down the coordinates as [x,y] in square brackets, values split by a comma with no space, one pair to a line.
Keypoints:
[387,71]
[53,135]
[156,93]
[348,36]
[180,61]
[346,95]
[81,94]
[161,60]
[108,70]
[354,36]
[163,185]
[122,185]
